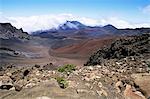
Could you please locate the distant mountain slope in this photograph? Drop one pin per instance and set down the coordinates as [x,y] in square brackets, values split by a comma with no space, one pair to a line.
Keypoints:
[8,31]
[71,25]
[85,48]
[78,30]
[18,47]
[132,31]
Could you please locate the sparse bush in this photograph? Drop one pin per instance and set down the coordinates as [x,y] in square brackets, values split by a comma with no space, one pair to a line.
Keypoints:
[62,82]
[67,68]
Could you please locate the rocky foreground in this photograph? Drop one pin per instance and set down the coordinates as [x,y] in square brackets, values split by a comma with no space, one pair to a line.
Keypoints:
[113,80]
[121,76]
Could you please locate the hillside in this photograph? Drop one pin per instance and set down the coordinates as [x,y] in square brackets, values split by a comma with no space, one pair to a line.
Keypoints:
[85,48]
[7,31]
[120,71]
[20,48]
[121,48]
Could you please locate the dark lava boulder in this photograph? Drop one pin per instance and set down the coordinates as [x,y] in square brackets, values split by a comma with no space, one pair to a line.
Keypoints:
[128,46]
[6,87]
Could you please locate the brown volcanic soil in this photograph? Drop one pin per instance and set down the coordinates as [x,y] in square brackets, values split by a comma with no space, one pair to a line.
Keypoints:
[79,53]
[71,54]
[82,50]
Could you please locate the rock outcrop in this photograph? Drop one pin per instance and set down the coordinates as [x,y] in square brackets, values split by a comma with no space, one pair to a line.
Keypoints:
[126,62]
[128,46]
[130,93]
[7,31]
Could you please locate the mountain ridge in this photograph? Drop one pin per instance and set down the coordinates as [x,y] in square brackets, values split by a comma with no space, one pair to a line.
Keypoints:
[78,30]
[71,25]
[8,31]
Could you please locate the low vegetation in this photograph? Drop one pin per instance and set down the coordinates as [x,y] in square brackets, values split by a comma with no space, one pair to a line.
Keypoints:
[68,68]
[62,82]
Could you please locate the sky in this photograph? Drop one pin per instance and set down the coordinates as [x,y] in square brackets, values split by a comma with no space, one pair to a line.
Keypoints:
[32,15]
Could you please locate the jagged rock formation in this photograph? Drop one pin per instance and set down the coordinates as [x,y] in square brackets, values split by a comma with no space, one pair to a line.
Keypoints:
[128,46]
[8,31]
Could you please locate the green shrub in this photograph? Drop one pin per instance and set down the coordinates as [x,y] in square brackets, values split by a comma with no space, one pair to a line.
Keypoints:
[62,82]
[67,68]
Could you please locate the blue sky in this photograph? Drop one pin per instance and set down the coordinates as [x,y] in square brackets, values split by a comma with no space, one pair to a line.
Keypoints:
[89,8]
[129,10]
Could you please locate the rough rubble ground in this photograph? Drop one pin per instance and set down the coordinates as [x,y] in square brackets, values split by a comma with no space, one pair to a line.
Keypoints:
[118,76]
[115,79]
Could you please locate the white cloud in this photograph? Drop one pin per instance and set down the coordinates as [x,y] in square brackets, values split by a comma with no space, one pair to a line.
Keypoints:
[89,21]
[146,9]
[119,23]
[44,22]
